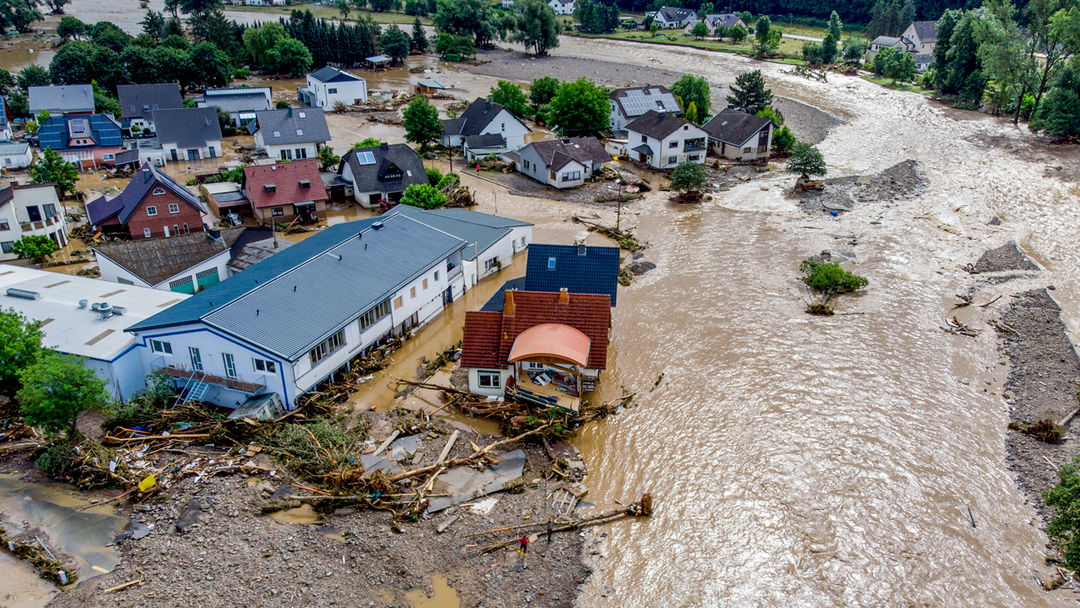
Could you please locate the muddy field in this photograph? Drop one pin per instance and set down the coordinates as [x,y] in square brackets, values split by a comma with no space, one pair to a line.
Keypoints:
[807,122]
[841,194]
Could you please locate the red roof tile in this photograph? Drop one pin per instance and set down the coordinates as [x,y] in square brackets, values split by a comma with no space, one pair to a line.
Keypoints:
[286,178]
[489,336]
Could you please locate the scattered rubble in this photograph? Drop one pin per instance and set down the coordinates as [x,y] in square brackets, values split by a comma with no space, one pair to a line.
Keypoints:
[841,194]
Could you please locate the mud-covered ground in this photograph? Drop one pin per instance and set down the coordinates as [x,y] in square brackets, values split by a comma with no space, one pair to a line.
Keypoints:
[209,545]
[899,182]
[807,122]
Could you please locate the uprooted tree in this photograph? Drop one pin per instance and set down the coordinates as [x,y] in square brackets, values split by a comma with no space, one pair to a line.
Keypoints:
[687,179]
[826,280]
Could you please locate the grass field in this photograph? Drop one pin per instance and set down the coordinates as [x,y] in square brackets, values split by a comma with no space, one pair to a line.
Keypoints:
[330,12]
[900,86]
[789,48]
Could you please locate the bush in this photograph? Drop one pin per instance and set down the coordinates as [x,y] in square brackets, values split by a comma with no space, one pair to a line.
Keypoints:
[449,182]
[1064,525]
[423,196]
[281,104]
[783,140]
[830,278]
[241,73]
[145,408]
[58,460]
[434,176]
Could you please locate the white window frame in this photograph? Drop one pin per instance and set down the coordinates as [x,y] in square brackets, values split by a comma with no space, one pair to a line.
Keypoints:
[486,378]
[159,191]
[229,362]
[174,208]
[196,358]
[160,347]
[151,211]
[263,366]
[146,232]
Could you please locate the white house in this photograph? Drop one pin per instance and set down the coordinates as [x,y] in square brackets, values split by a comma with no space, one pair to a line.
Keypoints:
[739,135]
[187,134]
[629,103]
[328,86]
[30,210]
[663,141]
[285,325]
[291,133]
[562,163]
[86,318]
[484,117]
[670,17]
[379,173]
[5,124]
[185,263]
[241,103]
[562,7]
[15,154]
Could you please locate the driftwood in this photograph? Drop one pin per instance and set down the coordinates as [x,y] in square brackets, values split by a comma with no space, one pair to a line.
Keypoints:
[643,508]
[956,327]
[122,586]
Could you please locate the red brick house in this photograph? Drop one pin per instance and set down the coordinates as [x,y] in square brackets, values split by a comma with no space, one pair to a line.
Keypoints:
[153,204]
[283,192]
[545,348]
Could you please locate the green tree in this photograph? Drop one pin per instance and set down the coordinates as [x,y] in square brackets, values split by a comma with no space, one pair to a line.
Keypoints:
[367,142]
[1007,56]
[537,27]
[783,140]
[34,247]
[419,37]
[959,72]
[33,76]
[55,390]
[153,24]
[260,40]
[328,161]
[423,196]
[543,90]
[1064,526]
[706,8]
[580,108]
[434,176]
[176,41]
[836,27]
[395,43]
[20,347]
[56,7]
[853,49]
[1059,112]
[289,56]
[700,30]
[18,103]
[768,37]
[806,160]
[749,94]
[474,18]
[18,14]
[211,65]
[688,177]
[654,29]
[596,17]
[811,53]
[381,6]
[828,49]
[52,168]
[70,28]
[105,103]
[422,124]
[447,44]
[894,63]
[511,97]
[344,7]
[691,113]
[1054,27]
[737,34]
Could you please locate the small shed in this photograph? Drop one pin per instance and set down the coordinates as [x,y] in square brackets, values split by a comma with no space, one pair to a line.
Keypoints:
[378,62]
[428,87]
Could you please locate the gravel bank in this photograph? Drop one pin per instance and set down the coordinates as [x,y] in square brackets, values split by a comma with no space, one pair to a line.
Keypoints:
[899,182]
[1043,378]
[1008,257]
[807,122]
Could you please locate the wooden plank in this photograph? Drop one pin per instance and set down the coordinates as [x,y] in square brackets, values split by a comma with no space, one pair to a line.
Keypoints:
[446,449]
[446,524]
[388,441]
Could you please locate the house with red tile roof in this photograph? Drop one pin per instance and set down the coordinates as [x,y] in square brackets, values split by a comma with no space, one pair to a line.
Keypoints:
[283,192]
[543,348]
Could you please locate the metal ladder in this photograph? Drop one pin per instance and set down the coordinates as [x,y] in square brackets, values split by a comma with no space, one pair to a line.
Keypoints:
[193,390]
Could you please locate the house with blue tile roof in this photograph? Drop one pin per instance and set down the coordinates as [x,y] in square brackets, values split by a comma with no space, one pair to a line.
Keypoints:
[87,140]
[575,268]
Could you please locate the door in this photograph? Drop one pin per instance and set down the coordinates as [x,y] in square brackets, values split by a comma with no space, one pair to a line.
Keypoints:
[230,364]
[196,358]
[193,155]
[448,296]
[166,228]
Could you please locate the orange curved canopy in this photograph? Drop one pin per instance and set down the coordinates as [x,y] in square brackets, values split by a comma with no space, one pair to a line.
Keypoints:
[552,340]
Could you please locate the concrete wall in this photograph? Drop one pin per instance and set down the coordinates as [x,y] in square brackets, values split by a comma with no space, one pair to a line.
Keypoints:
[663,153]
[345,92]
[17,161]
[474,381]
[293,151]
[171,153]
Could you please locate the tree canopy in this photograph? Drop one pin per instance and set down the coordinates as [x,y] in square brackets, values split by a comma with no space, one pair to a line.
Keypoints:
[806,160]
[421,121]
[476,18]
[580,108]
[749,94]
[694,90]
[542,90]
[423,196]
[511,97]
[34,247]
[20,347]
[52,168]
[54,390]
[395,43]
[688,177]
[536,26]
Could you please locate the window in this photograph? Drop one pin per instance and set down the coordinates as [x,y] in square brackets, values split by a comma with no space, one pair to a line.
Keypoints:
[181,284]
[174,208]
[672,160]
[673,144]
[4,225]
[186,231]
[107,157]
[175,229]
[277,211]
[746,150]
[230,364]
[301,153]
[160,346]
[158,191]
[412,292]
[331,91]
[398,303]
[436,276]
[151,210]
[551,263]
[328,346]
[146,232]
[196,358]
[124,281]
[425,283]
[642,139]
[264,366]
[50,210]
[7,246]
[372,316]
[491,264]
[488,379]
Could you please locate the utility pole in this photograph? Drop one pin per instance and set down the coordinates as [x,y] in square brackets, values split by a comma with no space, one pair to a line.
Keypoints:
[618,205]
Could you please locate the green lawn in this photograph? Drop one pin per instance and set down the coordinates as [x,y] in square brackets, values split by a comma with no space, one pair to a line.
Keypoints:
[330,12]
[900,86]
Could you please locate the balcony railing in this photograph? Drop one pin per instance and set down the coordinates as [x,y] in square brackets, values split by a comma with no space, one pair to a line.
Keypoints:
[237,385]
[30,226]
[693,145]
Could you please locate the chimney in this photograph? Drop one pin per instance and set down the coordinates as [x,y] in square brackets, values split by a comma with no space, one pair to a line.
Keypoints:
[508,303]
[564,296]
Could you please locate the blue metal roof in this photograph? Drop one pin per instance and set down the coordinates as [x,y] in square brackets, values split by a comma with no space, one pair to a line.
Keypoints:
[293,300]
[578,268]
[498,299]
[495,221]
[473,233]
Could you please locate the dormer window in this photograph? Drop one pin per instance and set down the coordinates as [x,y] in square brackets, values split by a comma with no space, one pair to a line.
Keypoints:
[305,184]
[159,191]
[300,132]
[277,133]
[551,263]
[270,187]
